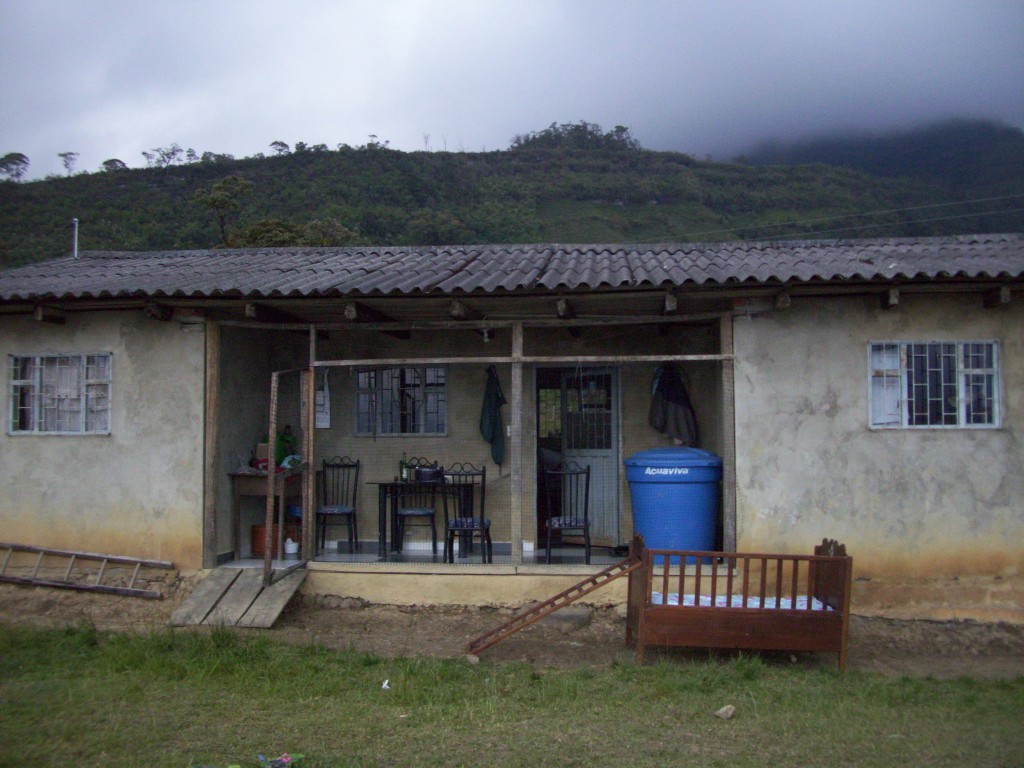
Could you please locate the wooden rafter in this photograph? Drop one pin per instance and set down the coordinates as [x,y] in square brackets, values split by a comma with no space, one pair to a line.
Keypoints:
[459,310]
[357,312]
[997,297]
[891,298]
[44,314]
[565,311]
[263,313]
[158,311]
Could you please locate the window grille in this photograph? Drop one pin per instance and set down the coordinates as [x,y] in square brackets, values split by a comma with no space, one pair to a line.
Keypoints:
[401,401]
[60,394]
[934,384]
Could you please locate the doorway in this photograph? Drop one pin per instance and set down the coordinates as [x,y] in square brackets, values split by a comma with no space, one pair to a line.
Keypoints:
[578,420]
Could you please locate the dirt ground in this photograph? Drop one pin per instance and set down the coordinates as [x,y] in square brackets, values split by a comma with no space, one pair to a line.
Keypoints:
[574,637]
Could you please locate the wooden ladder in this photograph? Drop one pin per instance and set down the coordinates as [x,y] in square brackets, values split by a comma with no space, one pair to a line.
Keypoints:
[87,582]
[537,612]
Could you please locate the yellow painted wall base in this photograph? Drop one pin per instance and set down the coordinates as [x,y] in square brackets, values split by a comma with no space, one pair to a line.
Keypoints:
[987,599]
[499,586]
[975,598]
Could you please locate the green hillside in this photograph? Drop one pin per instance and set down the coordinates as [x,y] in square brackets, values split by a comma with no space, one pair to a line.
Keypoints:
[538,190]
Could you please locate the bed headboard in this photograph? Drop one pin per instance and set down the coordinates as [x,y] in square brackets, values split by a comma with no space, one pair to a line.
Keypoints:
[832,577]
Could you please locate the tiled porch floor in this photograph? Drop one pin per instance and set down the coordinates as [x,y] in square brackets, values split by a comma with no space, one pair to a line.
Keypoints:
[564,555]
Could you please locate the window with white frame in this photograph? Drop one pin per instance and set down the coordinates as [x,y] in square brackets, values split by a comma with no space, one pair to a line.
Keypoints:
[934,384]
[401,401]
[60,394]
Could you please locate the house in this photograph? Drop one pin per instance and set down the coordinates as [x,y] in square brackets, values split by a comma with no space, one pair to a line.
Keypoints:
[870,391]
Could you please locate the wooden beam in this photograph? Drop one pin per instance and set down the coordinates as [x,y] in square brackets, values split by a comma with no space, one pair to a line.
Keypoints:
[782,301]
[669,308]
[44,314]
[997,297]
[515,457]
[566,311]
[891,298]
[528,322]
[671,305]
[261,313]
[307,408]
[462,312]
[357,312]
[394,362]
[728,437]
[157,311]
[459,310]
[268,519]
[759,305]
[211,457]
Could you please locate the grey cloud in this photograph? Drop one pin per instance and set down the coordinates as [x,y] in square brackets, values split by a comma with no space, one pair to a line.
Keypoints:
[112,78]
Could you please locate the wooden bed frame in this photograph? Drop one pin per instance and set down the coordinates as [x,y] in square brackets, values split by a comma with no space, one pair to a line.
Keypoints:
[753,600]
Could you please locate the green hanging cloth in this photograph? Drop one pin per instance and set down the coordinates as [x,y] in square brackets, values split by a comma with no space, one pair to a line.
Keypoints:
[491,428]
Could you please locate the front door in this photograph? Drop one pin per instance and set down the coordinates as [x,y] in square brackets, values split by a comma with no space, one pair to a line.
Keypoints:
[578,418]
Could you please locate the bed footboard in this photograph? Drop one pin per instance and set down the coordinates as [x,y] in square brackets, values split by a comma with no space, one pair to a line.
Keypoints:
[750,601]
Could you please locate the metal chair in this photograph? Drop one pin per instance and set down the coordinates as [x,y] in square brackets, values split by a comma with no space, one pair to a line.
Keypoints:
[418,501]
[567,488]
[339,485]
[464,516]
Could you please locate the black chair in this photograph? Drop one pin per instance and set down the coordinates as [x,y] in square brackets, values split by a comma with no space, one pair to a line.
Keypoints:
[418,501]
[567,488]
[465,513]
[339,485]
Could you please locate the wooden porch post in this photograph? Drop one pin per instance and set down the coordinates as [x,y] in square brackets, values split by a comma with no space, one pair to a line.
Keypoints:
[725,336]
[308,384]
[309,491]
[211,462]
[268,535]
[516,441]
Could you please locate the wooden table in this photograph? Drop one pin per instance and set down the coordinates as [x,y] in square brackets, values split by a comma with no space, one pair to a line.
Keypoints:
[287,484]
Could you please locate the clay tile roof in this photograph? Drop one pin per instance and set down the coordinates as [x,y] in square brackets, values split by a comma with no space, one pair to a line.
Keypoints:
[325,272]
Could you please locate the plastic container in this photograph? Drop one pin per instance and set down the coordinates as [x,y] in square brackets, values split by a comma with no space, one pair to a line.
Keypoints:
[259,531]
[291,549]
[675,493]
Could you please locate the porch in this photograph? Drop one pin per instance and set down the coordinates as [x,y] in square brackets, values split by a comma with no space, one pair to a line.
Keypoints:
[412,385]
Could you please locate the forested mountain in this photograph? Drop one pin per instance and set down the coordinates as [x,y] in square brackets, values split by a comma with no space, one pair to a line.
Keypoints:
[958,153]
[568,183]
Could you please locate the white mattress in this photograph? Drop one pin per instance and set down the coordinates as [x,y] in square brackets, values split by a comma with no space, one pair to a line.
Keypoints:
[737,602]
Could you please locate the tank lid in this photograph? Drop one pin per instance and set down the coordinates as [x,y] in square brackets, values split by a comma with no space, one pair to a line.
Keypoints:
[674,456]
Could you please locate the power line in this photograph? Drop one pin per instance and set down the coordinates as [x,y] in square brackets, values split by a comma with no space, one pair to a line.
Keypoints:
[799,222]
[912,221]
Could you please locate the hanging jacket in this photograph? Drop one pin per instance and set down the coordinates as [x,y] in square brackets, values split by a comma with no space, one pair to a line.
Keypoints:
[491,428]
[671,412]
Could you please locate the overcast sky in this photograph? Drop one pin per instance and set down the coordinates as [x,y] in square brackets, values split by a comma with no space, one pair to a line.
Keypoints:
[111,78]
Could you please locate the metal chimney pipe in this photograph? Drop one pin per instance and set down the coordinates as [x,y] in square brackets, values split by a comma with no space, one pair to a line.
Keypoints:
[74,248]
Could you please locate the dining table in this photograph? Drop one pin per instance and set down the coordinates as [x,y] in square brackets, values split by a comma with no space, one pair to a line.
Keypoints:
[389,491]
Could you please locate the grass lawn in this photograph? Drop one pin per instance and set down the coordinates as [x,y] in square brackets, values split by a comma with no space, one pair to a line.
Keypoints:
[78,697]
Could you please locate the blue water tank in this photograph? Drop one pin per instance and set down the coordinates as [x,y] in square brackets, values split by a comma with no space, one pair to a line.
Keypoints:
[675,493]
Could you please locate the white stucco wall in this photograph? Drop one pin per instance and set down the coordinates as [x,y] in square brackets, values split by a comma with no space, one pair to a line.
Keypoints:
[137,491]
[908,503]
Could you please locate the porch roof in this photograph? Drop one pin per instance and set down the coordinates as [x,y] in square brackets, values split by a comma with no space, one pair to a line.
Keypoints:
[447,271]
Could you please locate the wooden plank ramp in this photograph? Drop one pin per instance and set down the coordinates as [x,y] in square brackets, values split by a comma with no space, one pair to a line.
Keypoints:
[525,618]
[272,600]
[236,599]
[68,570]
[232,596]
